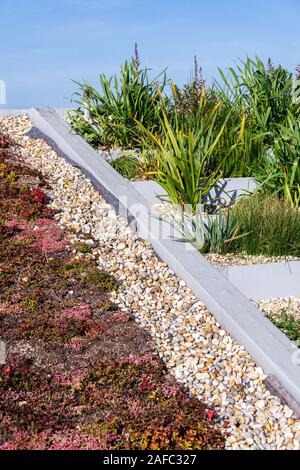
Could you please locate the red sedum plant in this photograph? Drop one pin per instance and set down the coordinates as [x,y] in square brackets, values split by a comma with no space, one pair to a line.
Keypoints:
[80,374]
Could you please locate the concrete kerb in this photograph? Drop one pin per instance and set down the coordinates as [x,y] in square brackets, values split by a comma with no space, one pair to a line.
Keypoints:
[226,191]
[271,349]
[265,281]
[22,111]
[13,112]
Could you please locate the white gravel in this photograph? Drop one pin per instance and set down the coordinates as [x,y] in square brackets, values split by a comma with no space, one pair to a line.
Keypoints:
[278,307]
[243,259]
[194,347]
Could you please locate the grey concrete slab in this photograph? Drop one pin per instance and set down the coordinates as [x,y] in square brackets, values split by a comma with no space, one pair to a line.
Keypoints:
[271,349]
[228,190]
[63,112]
[150,190]
[21,111]
[264,281]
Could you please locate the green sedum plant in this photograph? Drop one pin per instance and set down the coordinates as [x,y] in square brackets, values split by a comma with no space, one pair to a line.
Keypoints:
[256,225]
[289,325]
[129,167]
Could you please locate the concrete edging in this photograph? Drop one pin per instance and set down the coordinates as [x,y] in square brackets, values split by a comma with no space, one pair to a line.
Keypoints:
[21,111]
[265,281]
[13,112]
[227,190]
[270,348]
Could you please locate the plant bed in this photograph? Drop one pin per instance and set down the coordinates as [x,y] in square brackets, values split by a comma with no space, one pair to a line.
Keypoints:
[259,247]
[245,123]
[80,373]
[285,314]
[181,326]
[259,273]
[256,225]
[199,142]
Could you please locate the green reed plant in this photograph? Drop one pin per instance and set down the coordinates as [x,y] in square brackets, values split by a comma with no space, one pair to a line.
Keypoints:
[282,174]
[292,187]
[192,103]
[221,230]
[108,118]
[287,159]
[265,96]
[264,91]
[195,100]
[182,160]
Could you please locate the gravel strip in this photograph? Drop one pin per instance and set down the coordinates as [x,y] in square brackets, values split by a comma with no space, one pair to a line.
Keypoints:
[276,307]
[243,259]
[194,347]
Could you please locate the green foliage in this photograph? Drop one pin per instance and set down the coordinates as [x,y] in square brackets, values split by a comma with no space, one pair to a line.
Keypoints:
[92,379]
[220,231]
[256,225]
[286,163]
[193,103]
[85,272]
[264,92]
[11,177]
[265,97]
[128,166]
[247,124]
[193,100]
[182,160]
[108,118]
[272,225]
[83,248]
[192,228]
[209,233]
[288,325]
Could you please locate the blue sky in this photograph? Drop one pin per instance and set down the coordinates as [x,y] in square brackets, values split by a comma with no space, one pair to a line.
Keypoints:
[44,44]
